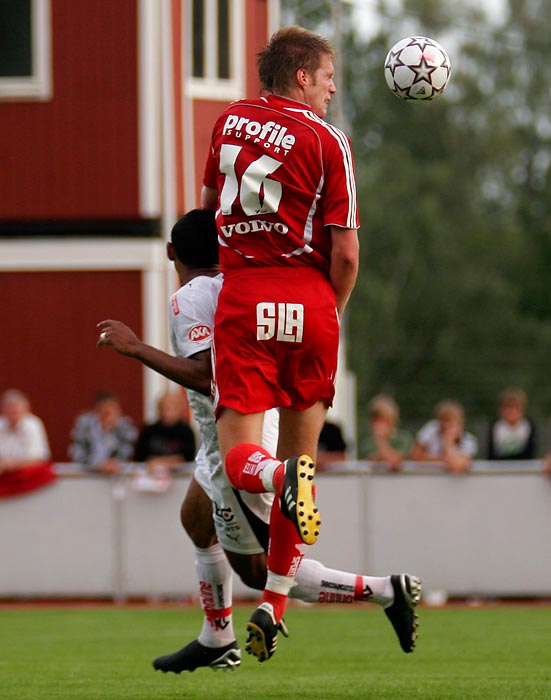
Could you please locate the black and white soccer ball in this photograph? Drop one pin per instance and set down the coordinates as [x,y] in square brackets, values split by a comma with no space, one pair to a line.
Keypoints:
[417,68]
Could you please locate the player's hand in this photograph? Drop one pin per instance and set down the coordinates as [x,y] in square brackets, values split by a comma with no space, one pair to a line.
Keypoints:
[119,336]
[451,433]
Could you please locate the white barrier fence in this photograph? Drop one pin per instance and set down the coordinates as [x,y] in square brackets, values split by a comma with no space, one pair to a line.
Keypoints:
[485,533]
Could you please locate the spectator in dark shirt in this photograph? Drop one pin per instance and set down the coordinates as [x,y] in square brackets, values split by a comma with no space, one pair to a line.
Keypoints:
[169,441]
[513,433]
[331,445]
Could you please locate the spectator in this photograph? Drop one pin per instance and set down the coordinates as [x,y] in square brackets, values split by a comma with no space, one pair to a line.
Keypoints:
[386,441]
[103,438]
[547,458]
[444,439]
[331,445]
[24,450]
[169,441]
[23,438]
[513,434]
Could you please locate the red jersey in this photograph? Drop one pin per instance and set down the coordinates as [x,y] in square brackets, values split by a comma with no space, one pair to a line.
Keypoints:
[283,176]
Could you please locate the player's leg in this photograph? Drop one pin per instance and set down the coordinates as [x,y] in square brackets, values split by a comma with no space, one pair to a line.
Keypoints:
[250,467]
[398,595]
[298,434]
[196,516]
[216,645]
[240,434]
[251,568]
[299,431]
[242,526]
[294,521]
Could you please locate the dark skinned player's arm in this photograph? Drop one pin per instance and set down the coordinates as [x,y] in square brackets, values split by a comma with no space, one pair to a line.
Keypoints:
[191,372]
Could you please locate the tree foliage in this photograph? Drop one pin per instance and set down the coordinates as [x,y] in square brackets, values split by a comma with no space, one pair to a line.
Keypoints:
[454,293]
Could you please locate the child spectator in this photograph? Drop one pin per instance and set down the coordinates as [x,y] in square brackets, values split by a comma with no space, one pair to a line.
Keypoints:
[513,434]
[386,442]
[444,439]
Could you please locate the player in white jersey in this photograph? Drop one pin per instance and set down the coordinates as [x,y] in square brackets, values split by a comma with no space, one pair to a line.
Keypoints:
[223,523]
[192,333]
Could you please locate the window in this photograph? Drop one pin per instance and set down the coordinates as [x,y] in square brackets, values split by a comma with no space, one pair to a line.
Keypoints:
[216,54]
[25,54]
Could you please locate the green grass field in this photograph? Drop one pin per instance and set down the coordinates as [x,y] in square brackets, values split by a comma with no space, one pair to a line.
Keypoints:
[487,653]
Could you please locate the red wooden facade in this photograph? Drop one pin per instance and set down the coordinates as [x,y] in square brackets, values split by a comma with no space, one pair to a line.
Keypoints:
[110,153]
[49,343]
[75,156]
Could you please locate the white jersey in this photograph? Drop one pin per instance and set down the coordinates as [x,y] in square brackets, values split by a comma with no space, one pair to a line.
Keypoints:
[431,438]
[191,316]
[191,324]
[27,442]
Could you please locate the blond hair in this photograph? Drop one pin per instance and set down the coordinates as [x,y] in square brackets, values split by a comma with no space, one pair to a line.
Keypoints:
[448,408]
[513,395]
[383,406]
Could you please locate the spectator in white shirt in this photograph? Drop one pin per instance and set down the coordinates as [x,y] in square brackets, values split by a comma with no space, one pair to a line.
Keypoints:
[513,434]
[23,438]
[445,440]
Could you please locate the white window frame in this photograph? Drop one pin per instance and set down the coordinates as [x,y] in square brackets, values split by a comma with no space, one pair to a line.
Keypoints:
[38,85]
[210,86]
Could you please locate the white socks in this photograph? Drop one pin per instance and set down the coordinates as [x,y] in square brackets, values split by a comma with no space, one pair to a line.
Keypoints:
[315,583]
[214,576]
[278,583]
[269,467]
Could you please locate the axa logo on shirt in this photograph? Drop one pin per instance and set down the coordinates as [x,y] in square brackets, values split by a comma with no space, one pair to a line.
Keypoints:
[199,333]
[271,134]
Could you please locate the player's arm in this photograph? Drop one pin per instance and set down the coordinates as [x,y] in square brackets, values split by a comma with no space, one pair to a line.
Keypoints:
[209,198]
[345,260]
[191,372]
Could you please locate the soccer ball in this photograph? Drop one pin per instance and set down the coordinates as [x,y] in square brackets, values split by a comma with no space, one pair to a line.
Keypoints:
[417,68]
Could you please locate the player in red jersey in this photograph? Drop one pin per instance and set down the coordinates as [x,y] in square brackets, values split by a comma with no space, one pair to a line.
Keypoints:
[282,182]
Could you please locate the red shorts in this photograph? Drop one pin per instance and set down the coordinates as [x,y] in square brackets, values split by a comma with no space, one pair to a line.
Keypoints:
[276,338]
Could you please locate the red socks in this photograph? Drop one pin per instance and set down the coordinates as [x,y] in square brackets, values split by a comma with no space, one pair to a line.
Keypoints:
[250,468]
[278,600]
[245,464]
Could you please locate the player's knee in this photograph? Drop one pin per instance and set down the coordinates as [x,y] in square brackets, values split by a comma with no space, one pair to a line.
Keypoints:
[253,575]
[254,579]
[251,569]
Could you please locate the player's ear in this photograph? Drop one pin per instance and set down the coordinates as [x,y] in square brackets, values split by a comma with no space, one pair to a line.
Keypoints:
[171,255]
[303,77]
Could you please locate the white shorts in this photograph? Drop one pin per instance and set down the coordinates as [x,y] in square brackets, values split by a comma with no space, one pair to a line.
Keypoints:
[241,519]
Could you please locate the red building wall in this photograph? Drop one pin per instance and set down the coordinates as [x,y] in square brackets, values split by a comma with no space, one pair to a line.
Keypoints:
[205,112]
[48,322]
[76,156]
[257,34]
